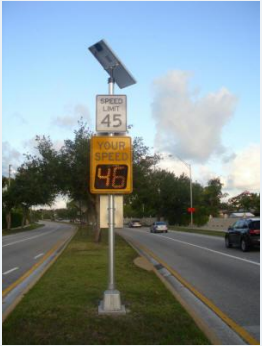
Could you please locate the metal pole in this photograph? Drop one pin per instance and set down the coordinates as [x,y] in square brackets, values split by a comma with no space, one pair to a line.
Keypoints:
[111,214]
[111,282]
[111,303]
[191,189]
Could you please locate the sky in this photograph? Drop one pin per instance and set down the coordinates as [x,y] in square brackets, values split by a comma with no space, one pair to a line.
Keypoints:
[197,67]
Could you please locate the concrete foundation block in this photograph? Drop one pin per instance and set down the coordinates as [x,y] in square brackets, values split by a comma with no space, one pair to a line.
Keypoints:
[111,304]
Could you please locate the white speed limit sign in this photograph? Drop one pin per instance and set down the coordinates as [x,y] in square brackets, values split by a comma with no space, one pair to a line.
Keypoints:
[111,113]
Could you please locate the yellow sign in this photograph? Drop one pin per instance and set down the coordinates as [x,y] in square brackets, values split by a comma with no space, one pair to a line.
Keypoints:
[111,165]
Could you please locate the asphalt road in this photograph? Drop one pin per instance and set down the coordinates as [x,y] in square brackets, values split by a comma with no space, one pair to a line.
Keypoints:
[21,251]
[227,277]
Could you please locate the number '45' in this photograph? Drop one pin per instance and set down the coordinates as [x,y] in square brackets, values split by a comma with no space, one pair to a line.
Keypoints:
[116,120]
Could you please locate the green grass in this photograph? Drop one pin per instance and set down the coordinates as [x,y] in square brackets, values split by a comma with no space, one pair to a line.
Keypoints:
[21,229]
[62,307]
[196,230]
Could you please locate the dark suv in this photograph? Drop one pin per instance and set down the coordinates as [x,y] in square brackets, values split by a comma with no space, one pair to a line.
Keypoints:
[244,233]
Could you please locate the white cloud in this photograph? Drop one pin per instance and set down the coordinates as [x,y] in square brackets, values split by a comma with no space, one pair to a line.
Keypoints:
[187,126]
[244,170]
[10,156]
[15,158]
[58,144]
[30,146]
[73,115]
[171,164]
[202,174]
[66,121]
[59,203]
[229,157]
[199,173]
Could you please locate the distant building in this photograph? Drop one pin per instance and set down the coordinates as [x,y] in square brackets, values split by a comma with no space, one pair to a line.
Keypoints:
[242,214]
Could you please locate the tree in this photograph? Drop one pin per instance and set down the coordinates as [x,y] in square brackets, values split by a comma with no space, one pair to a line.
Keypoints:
[211,196]
[202,212]
[31,187]
[139,203]
[246,201]
[74,173]
[69,172]
[72,210]
[8,200]
[4,182]
[156,192]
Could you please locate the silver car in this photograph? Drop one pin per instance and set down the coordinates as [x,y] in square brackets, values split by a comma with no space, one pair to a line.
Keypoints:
[159,226]
[135,224]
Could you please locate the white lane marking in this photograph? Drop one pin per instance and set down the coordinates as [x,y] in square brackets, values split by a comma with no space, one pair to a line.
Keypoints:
[36,236]
[37,256]
[214,251]
[11,270]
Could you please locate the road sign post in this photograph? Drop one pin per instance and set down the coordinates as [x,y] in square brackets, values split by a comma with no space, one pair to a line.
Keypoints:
[111,170]
[111,302]
[118,215]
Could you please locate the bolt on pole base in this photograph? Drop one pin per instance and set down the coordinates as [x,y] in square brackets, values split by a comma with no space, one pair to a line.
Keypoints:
[111,304]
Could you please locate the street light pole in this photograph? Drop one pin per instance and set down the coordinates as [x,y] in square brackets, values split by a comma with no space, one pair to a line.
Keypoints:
[191,194]
[191,189]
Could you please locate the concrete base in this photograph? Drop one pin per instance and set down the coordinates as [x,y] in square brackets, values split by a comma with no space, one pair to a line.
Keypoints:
[111,304]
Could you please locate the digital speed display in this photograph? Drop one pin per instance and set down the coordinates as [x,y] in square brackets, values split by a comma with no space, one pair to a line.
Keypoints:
[109,177]
[111,170]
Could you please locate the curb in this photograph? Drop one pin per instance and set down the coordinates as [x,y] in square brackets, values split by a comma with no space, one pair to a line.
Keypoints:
[199,322]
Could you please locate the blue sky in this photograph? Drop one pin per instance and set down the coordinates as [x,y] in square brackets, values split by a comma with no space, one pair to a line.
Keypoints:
[197,66]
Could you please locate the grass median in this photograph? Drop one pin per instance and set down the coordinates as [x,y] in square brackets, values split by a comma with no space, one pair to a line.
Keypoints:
[198,231]
[62,307]
[22,229]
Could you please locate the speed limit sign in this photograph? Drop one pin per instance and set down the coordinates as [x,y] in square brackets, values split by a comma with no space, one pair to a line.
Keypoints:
[111,113]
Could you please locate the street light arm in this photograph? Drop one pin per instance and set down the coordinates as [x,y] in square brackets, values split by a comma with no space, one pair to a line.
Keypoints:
[185,163]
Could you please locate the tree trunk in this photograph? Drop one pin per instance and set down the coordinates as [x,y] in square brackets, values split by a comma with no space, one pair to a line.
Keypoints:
[23,220]
[8,220]
[24,217]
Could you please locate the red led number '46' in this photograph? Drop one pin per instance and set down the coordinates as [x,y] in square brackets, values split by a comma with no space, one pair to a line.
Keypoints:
[111,176]
[111,165]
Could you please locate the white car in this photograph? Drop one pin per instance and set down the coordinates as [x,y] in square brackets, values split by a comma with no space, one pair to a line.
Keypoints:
[135,223]
[159,226]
